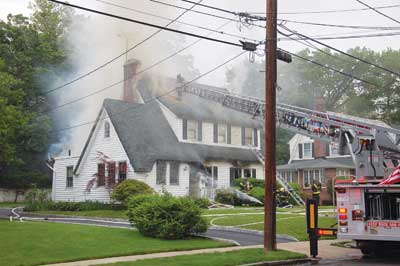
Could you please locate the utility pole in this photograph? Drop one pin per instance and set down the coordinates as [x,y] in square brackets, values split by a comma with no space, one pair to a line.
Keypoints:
[270,125]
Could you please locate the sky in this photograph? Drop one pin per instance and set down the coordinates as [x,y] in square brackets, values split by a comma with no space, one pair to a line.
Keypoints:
[104,38]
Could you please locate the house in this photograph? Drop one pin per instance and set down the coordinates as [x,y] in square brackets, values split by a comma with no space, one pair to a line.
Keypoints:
[177,142]
[315,160]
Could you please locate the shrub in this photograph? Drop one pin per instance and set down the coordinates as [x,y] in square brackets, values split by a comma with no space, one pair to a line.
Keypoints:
[166,217]
[253,181]
[226,196]
[135,201]
[72,206]
[202,203]
[37,199]
[258,193]
[296,188]
[128,188]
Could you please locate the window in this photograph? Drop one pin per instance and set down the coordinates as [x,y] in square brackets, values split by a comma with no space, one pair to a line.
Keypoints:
[343,172]
[234,173]
[111,173]
[122,170]
[70,176]
[247,173]
[248,136]
[101,172]
[174,173]
[289,176]
[312,174]
[213,171]
[192,127]
[307,150]
[161,173]
[253,173]
[334,149]
[106,129]
[222,133]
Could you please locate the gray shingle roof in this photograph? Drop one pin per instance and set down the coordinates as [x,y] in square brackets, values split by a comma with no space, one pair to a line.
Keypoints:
[337,162]
[146,137]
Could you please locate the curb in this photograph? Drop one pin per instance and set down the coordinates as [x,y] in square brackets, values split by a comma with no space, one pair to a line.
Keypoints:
[283,262]
[249,231]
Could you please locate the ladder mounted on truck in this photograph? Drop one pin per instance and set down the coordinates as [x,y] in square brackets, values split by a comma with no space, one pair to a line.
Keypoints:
[372,144]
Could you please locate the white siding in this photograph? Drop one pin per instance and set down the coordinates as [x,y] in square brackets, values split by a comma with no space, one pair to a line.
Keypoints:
[60,192]
[236,136]
[174,122]
[294,145]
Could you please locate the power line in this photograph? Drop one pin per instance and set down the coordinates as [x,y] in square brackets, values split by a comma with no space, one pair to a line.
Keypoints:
[340,25]
[344,37]
[178,22]
[120,55]
[125,79]
[204,13]
[146,23]
[340,51]
[329,11]
[379,12]
[332,69]
[162,95]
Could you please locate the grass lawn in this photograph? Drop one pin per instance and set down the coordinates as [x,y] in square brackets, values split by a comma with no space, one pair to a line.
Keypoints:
[216,259]
[35,243]
[11,204]
[120,214]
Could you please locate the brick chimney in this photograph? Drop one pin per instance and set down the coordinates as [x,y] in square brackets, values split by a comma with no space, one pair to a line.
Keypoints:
[130,69]
[321,149]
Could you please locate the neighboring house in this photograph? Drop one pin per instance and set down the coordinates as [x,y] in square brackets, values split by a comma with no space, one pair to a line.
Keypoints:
[312,159]
[180,143]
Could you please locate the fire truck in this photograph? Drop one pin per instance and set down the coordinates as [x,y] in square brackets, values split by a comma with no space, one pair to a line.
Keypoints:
[368,207]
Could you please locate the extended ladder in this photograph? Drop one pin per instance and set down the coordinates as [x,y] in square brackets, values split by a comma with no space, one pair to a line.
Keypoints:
[293,194]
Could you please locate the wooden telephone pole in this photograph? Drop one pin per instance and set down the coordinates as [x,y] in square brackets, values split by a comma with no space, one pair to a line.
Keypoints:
[270,125]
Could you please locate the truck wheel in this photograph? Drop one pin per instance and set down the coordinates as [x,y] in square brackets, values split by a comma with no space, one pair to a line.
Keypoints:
[366,251]
[366,248]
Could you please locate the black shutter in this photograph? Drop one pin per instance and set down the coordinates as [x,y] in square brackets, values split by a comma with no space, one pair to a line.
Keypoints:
[229,129]
[215,172]
[300,151]
[200,131]
[327,150]
[184,128]
[243,139]
[255,137]
[215,133]
[312,150]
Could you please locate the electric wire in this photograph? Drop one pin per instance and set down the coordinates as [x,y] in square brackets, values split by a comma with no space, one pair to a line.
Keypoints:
[322,37]
[118,56]
[340,25]
[377,11]
[125,79]
[177,22]
[340,51]
[159,96]
[146,23]
[329,11]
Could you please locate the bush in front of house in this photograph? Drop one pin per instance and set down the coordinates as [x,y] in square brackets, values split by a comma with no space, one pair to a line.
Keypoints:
[129,188]
[165,216]
[258,193]
[202,203]
[72,206]
[226,196]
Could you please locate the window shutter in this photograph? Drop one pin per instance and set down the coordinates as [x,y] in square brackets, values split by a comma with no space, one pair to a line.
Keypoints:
[312,150]
[254,173]
[111,173]
[243,137]
[215,176]
[255,141]
[200,131]
[229,133]
[300,151]
[215,133]
[184,128]
[327,150]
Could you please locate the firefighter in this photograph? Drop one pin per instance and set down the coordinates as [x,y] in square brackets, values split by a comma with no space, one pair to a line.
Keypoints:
[316,190]
[245,186]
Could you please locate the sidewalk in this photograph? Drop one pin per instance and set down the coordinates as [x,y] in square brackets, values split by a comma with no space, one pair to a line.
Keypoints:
[326,251]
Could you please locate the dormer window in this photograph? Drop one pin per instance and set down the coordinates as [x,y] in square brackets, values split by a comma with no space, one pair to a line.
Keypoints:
[222,133]
[248,136]
[106,129]
[307,150]
[192,128]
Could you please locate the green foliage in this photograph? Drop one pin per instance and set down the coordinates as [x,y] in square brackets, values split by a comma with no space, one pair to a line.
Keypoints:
[296,188]
[129,188]
[258,193]
[48,205]
[226,196]
[202,203]
[166,217]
